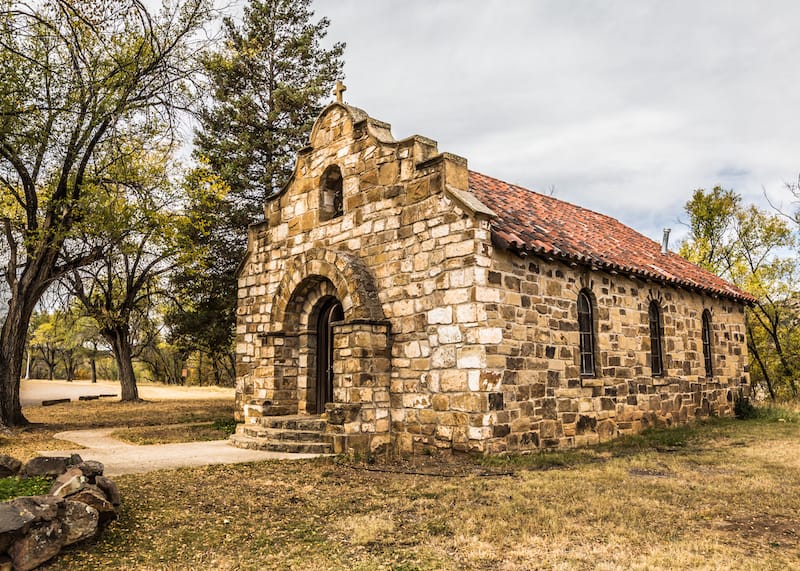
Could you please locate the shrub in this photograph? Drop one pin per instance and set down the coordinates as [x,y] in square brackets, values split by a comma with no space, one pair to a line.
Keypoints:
[742,407]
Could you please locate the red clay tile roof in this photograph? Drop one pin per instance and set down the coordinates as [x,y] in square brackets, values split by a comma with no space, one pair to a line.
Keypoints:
[531,222]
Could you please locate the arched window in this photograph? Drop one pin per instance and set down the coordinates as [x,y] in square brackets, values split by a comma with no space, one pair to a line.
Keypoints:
[331,197]
[586,329]
[656,349]
[707,358]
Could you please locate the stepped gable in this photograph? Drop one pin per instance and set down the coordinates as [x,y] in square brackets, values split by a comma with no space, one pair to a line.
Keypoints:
[527,221]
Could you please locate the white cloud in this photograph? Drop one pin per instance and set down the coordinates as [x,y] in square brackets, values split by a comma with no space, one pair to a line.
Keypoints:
[625,107]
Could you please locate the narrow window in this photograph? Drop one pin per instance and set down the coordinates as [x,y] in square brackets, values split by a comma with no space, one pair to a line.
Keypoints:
[707,343]
[586,328]
[656,353]
[331,197]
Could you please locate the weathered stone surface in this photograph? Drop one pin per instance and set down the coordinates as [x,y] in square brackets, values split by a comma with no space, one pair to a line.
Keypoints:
[68,483]
[340,413]
[43,508]
[97,500]
[14,517]
[46,466]
[9,466]
[42,542]
[80,521]
[91,469]
[110,489]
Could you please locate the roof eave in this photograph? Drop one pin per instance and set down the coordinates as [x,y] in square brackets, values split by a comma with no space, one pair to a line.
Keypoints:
[521,249]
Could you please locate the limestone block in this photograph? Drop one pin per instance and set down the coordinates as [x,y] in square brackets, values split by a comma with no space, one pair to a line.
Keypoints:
[487,294]
[454,380]
[449,334]
[471,357]
[440,315]
[459,249]
[490,335]
[412,349]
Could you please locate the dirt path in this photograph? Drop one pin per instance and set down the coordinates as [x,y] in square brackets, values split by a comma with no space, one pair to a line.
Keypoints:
[123,458]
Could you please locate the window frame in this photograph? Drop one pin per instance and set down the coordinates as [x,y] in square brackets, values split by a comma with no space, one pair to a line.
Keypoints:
[655,320]
[586,335]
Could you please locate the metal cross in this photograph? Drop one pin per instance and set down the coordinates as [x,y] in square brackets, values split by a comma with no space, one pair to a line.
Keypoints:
[340,88]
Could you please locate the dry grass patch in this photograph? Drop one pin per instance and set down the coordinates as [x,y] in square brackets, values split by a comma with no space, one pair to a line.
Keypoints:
[47,421]
[709,499]
[220,429]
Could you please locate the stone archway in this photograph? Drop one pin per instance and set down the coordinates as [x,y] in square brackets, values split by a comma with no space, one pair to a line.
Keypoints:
[328,349]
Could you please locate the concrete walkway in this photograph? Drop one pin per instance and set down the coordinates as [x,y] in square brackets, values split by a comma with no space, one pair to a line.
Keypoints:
[123,458]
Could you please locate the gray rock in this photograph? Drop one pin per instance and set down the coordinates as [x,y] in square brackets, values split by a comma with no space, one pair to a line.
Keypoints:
[41,543]
[13,517]
[9,466]
[97,500]
[43,508]
[110,489]
[80,522]
[46,466]
[68,483]
[91,469]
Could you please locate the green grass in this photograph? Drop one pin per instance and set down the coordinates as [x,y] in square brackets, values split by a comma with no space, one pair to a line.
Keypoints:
[226,425]
[14,487]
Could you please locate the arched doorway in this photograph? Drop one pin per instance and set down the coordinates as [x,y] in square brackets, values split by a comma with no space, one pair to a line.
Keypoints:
[330,311]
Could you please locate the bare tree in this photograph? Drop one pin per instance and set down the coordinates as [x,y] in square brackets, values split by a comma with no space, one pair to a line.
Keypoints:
[77,77]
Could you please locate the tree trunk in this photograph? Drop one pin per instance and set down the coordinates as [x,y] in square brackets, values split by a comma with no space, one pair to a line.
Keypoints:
[754,352]
[13,338]
[120,341]
[51,371]
[69,370]
[93,365]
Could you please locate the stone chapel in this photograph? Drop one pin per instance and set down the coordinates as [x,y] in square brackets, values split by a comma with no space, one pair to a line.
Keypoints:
[392,300]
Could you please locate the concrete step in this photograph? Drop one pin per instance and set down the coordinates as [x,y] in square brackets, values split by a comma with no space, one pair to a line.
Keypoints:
[293,447]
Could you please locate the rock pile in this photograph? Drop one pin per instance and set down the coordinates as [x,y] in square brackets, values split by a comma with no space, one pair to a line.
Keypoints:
[80,504]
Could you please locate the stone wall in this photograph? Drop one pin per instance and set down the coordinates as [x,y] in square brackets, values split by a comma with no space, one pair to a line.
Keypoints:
[531,392]
[448,341]
[81,503]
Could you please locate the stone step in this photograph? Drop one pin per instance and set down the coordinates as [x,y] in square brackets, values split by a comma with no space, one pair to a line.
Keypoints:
[294,422]
[258,431]
[293,447]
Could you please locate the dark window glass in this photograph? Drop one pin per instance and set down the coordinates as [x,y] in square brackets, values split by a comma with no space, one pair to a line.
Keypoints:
[656,354]
[707,343]
[586,328]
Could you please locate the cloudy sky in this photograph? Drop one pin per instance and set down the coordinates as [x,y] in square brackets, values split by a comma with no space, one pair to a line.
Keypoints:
[622,107]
